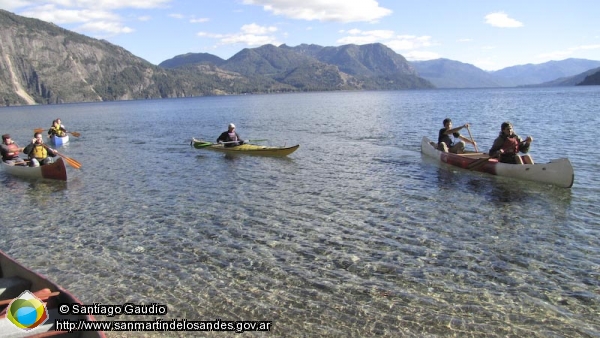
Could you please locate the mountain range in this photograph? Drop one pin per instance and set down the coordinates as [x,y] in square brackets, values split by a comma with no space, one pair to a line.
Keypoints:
[42,63]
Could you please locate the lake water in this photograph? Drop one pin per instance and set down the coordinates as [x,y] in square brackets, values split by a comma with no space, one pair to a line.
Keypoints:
[355,234]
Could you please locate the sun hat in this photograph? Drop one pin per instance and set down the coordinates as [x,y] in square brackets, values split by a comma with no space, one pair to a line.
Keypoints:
[231,125]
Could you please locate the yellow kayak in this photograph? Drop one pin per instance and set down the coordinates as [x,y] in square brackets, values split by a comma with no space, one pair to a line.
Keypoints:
[250,149]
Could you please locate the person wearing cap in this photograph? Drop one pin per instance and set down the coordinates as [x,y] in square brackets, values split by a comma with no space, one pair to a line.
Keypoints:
[446,144]
[38,152]
[230,138]
[10,151]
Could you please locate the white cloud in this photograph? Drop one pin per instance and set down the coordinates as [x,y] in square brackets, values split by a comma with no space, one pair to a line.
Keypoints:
[13,4]
[586,47]
[500,19]
[563,54]
[557,55]
[250,35]
[209,35]
[199,20]
[420,56]
[409,42]
[177,16]
[105,27]
[325,10]
[93,15]
[387,37]
[256,29]
[66,16]
[249,39]
[102,4]
[464,40]
[90,4]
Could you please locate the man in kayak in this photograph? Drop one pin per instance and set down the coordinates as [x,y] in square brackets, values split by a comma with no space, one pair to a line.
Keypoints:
[230,138]
[508,145]
[10,151]
[38,152]
[446,144]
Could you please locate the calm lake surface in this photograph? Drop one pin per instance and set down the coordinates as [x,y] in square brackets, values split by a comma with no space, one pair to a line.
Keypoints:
[355,234]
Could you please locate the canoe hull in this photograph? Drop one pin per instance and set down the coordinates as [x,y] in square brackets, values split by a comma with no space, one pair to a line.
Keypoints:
[246,149]
[15,279]
[53,171]
[59,141]
[558,172]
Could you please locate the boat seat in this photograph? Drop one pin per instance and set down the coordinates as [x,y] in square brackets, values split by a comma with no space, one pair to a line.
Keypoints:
[12,287]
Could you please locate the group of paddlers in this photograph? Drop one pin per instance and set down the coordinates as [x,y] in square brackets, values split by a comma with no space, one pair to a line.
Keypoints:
[38,153]
[506,147]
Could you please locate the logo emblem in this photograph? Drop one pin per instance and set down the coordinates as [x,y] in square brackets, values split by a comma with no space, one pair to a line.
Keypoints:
[27,312]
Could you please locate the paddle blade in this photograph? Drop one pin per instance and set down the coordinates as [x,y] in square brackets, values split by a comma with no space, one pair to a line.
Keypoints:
[200,144]
[74,133]
[38,130]
[72,162]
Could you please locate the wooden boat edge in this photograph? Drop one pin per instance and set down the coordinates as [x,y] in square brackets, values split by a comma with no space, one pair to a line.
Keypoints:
[10,267]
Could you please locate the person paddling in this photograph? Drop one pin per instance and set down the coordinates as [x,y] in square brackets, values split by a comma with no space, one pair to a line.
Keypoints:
[57,129]
[10,151]
[38,152]
[446,144]
[230,138]
[508,145]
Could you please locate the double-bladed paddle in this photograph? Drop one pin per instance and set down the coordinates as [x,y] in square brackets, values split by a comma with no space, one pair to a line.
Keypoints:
[202,144]
[245,141]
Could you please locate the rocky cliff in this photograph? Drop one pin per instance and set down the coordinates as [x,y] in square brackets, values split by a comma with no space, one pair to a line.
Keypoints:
[41,63]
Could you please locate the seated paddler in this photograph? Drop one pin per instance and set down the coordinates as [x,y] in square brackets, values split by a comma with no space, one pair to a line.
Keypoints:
[230,138]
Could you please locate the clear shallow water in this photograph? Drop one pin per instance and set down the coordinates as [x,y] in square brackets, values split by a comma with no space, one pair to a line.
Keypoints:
[355,234]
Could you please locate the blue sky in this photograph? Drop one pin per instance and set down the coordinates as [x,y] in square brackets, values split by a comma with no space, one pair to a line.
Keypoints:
[486,33]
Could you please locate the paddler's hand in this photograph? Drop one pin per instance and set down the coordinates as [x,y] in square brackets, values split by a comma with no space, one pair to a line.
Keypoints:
[529,139]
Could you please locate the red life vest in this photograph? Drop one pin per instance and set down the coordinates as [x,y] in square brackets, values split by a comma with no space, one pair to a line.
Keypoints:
[511,145]
[13,148]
